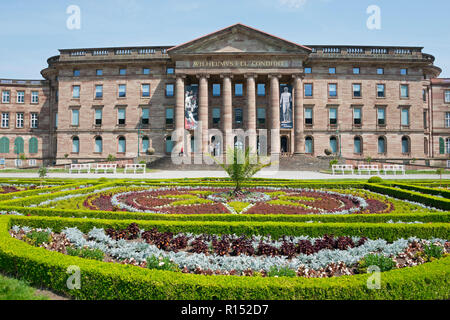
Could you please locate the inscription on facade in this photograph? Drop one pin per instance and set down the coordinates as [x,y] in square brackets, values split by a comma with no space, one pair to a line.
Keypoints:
[241,64]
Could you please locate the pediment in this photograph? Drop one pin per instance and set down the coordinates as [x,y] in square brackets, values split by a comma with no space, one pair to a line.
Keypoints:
[239,39]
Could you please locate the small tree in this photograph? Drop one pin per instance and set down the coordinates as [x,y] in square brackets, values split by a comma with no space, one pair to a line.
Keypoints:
[241,166]
[440,171]
[42,173]
[369,160]
[333,162]
[111,158]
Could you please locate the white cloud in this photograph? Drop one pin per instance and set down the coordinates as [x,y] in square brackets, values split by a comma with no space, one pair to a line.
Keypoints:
[296,4]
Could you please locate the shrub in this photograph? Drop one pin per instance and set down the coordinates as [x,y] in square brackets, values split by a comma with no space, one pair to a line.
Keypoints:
[87,253]
[39,237]
[433,251]
[333,162]
[281,272]
[161,263]
[379,260]
[375,180]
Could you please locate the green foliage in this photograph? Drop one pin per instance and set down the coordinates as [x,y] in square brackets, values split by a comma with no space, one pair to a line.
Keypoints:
[433,251]
[375,180]
[333,162]
[238,206]
[379,260]
[42,172]
[281,272]
[241,165]
[190,202]
[13,289]
[161,263]
[87,253]
[111,158]
[39,237]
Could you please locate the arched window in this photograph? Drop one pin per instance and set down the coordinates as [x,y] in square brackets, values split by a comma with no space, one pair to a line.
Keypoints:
[33,145]
[357,145]
[405,145]
[145,144]
[98,145]
[381,145]
[122,145]
[333,145]
[75,145]
[169,144]
[309,145]
[18,145]
[4,145]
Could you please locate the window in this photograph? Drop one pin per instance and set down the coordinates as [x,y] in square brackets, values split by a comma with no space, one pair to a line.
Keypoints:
[56,120]
[309,116]
[447,148]
[447,119]
[18,162]
[98,145]
[308,70]
[75,145]
[56,96]
[98,117]
[332,70]
[6,96]
[333,145]
[145,116]
[19,145]
[447,96]
[170,70]
[238,116]
[357,145]
[357,90]
[261,89]
[169,90]
[169,117]
[145,144]
[424,95]
[76,92]
[145,91]
[99,72]
[332,116]
[76,73]
[309,145]
[146,71]
[99,91]
[122,90]
[4,145]
[75,117]
[123,72]
[332,90]
[216,90]
[380,71]
[238,89]
[261,115]
[381,91]
[405,117]
[404,91]
[20,96]
[425,119]
[35,96]
[169,145]
[216,116]
[308,89]
[19,120]
[356,70]
[381,145]
[357,116]
[33,145]
[121,116]
[381,116]
[122,145]
[5,120]
[405,145]
[403,71]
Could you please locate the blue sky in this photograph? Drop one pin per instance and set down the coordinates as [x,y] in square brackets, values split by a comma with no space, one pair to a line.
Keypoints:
[32,31]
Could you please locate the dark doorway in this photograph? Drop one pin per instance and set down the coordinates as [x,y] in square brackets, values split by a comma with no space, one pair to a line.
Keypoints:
[284,144]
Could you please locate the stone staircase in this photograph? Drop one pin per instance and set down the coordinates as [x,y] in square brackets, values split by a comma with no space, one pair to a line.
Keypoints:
[286,163]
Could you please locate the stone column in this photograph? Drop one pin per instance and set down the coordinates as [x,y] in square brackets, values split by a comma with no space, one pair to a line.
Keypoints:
[203,111]
[298,114]
[275,114]
[227,122]
[179,113]
[250,114]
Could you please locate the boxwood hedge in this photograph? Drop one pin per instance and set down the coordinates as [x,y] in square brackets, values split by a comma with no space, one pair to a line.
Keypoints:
[100,280]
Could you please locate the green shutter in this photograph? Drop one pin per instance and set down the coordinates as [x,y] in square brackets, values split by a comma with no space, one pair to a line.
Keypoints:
[33,146]
[4,145]
[18,146]
[441,146]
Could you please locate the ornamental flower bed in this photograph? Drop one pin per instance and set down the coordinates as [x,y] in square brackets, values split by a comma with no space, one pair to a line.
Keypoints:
[206,254]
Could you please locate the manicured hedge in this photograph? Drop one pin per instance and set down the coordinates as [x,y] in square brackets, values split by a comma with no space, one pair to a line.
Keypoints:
[123,215]
[431,201]
[101,280]
[433,191]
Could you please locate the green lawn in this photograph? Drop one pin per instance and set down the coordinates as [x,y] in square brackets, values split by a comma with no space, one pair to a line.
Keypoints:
[13,289]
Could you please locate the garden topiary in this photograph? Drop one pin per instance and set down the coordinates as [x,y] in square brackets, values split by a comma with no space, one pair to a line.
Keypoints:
[375,180]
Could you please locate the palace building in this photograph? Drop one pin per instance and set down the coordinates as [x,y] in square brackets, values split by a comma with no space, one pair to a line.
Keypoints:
[386,103]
